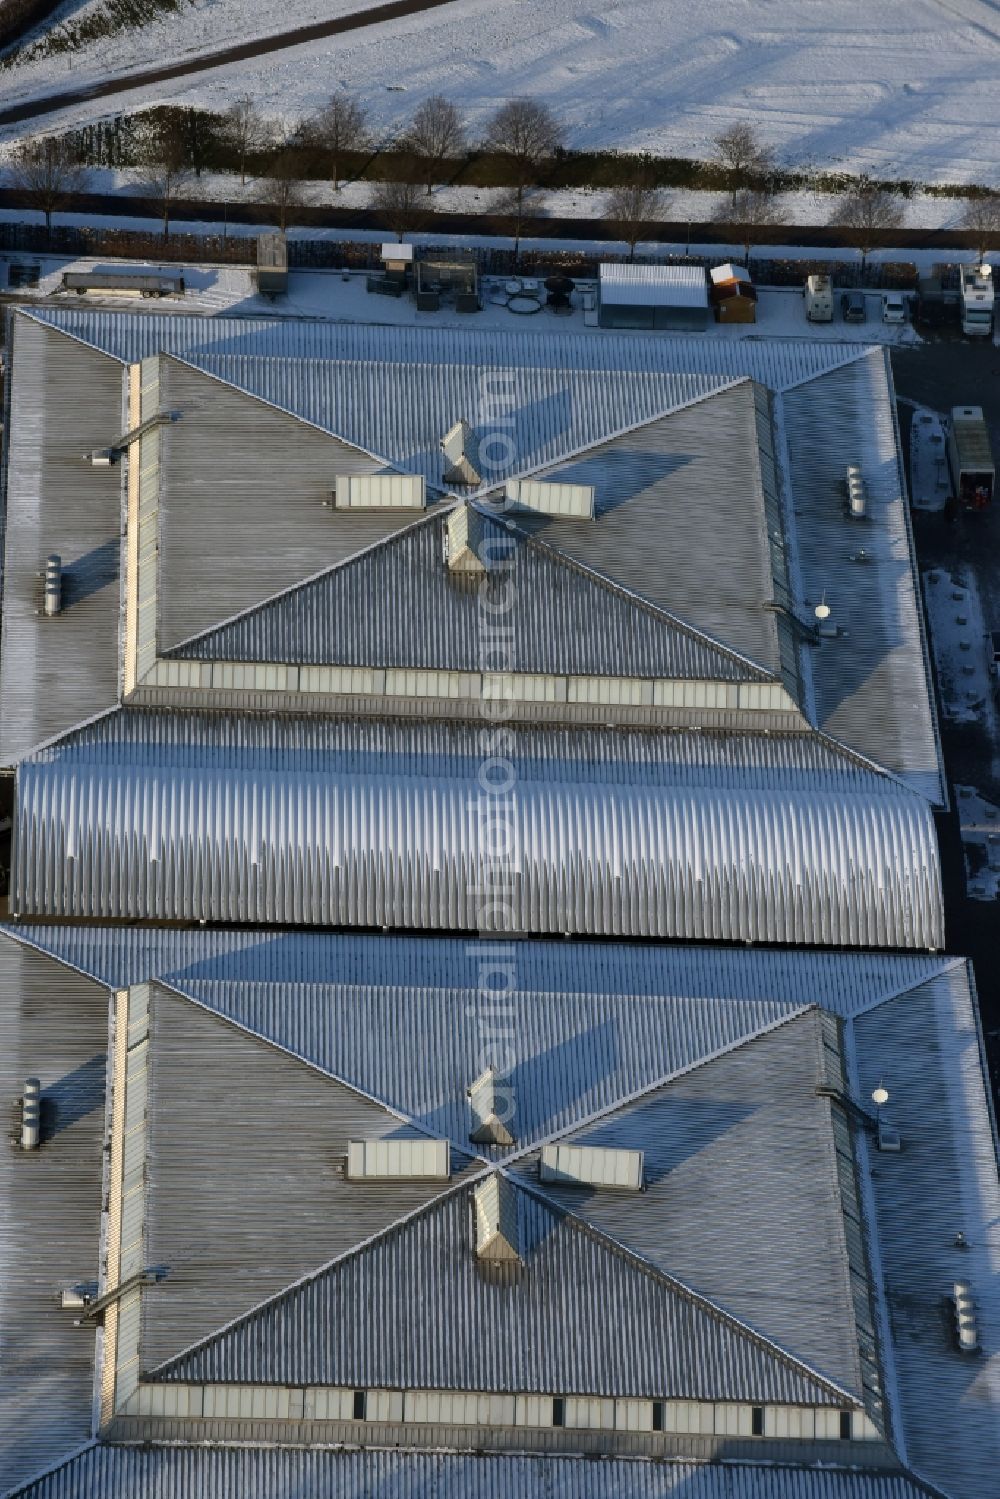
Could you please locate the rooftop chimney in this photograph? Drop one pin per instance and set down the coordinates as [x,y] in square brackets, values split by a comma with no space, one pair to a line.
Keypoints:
[53,584]
[31,1114]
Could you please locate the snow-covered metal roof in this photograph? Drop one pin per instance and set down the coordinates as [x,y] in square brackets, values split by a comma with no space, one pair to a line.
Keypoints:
[130,336]
[53,1026]
[615,1328]
[652,285]
[178,1472]
[228,822]
[870,683]
[63,402]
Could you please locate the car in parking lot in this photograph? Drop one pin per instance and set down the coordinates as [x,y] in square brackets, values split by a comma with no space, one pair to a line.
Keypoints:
[893,307]
[852,307]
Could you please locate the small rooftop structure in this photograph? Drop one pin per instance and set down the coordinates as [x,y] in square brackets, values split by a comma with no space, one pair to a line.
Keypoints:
[272,264]
[653,296]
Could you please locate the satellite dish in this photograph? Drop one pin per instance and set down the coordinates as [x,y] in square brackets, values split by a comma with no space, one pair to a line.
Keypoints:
[880,1096]
[822,611]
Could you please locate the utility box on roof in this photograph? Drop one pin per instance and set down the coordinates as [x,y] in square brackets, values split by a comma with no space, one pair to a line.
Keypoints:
[653,297]
[272,265]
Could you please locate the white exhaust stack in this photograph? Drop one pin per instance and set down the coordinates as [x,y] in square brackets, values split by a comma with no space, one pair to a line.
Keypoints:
[965,1317]
[31,1114]
[53,584]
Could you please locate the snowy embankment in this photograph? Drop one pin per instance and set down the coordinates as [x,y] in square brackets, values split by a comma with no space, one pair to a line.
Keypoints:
[808,209]
[905,89]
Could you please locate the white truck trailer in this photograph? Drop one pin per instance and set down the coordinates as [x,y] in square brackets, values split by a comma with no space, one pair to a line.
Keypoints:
[977,300]
[970,459]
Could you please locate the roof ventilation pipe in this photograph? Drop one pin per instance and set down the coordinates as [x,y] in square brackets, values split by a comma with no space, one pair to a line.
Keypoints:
[965,1317]
[31,1114]
[53,584]
[857,494]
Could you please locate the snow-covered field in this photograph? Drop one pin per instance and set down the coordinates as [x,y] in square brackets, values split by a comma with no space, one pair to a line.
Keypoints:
[906,88]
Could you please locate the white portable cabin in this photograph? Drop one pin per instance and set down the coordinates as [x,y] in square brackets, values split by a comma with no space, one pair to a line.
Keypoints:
[819,299]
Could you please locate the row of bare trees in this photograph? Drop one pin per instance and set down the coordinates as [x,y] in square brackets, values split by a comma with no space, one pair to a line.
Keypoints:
[523,133]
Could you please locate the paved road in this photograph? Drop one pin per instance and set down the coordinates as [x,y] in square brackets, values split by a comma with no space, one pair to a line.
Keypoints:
[941,375]
[243,51]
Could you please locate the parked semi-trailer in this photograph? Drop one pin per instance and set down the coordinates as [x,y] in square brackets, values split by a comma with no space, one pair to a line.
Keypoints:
[973,472]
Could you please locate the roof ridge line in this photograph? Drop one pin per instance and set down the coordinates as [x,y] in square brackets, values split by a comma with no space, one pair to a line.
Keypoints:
[17,934]
[861,351]
[273,406]
[295,1056]
[63,1462]
[726,383]
[55,739]
[311,1275]
[639,600]
[514,1156]
[306,582]
[948,965]
[698,1298]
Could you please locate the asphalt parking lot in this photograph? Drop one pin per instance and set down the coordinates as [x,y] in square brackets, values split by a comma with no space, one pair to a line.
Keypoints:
[941,375]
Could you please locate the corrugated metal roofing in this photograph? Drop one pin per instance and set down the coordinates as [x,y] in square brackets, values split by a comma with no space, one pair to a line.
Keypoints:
[871,684]
[242,504]
[175,1472]
[55,672]
[583,1316]
[255,838]
[225,1112]
[54,1026]
[565,618]
[843,982]
[129,336]
[686,522]
[653,285]
[417,1048]
[846,983]
[523,417]
[926,1049]
[741,1198]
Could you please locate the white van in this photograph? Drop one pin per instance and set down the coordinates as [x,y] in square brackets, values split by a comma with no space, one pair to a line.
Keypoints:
[893,308]
[819,299]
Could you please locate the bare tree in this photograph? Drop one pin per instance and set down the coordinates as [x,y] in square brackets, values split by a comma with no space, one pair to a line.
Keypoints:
[47,172]
[750,211]
[511,208]
[400,204]
[163,158]
[280,185]
[337,130]
[746,158]
[244,131]
[528,135]
[633,208]
[981,219]
[868,210]
[436,136]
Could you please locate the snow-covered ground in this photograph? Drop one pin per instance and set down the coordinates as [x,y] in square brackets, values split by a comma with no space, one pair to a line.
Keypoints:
[979,821]
[961,649]
[929,481]
[907,88]
[921,211]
